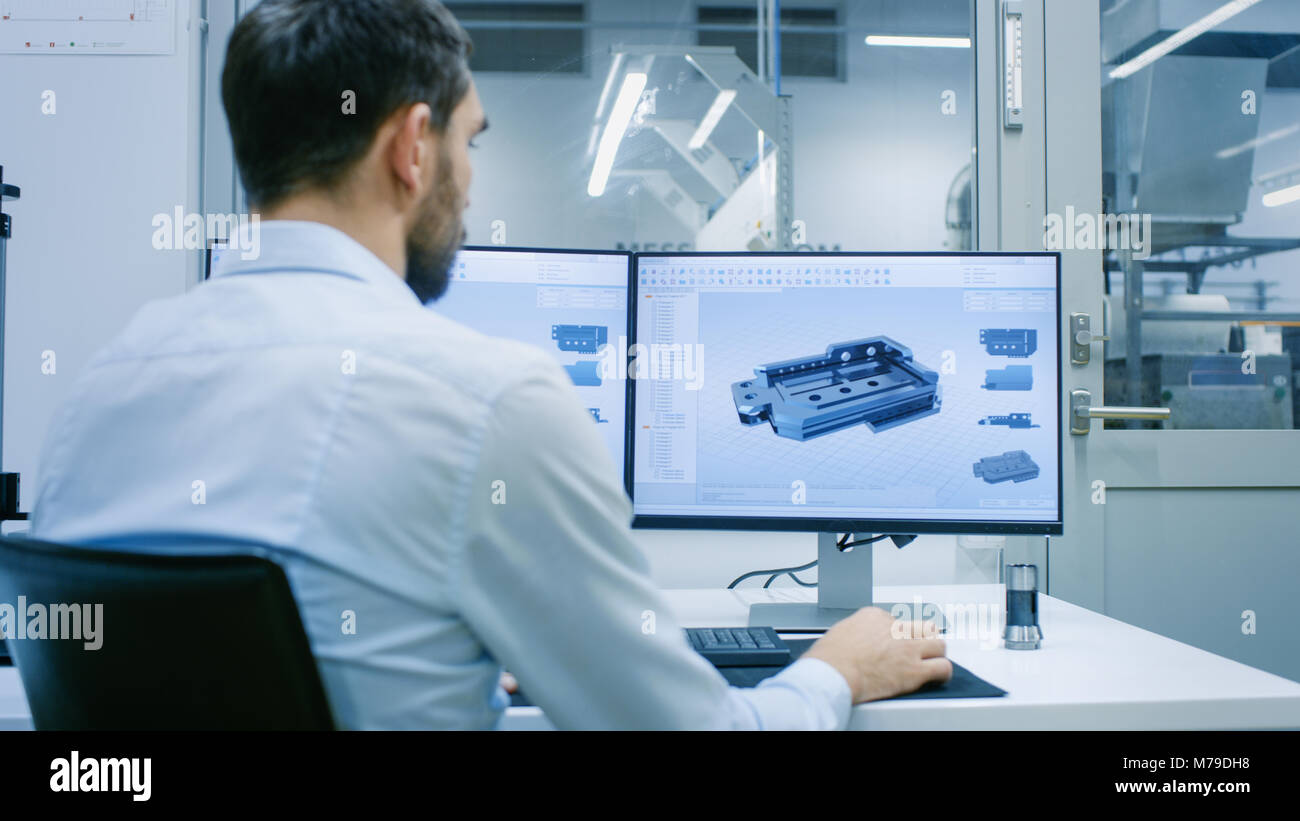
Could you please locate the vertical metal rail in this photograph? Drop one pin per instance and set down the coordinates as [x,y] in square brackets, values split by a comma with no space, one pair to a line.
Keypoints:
[8,481]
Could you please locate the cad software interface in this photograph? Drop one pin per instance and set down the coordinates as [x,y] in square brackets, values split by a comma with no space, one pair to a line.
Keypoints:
[570,305]
[919,388]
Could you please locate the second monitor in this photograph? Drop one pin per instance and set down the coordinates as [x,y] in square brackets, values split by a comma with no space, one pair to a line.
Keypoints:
[568,303]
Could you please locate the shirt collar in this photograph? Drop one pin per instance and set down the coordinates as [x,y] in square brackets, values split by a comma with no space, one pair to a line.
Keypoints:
[278,246]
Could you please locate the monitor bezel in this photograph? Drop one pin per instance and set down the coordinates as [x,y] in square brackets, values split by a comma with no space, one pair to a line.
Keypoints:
[212,244]
[627,325]
[839,524]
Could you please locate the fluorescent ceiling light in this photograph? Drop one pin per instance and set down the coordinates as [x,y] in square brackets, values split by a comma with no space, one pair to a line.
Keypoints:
[1282,196]
[711,118]
[614,69]
[619,117]
[1249,144]
[1179,38]
[931,42]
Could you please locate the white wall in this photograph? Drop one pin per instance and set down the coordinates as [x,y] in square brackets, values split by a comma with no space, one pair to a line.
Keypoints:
[118,149]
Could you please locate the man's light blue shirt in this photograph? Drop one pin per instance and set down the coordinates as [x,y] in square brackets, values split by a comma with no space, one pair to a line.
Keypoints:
[440,500]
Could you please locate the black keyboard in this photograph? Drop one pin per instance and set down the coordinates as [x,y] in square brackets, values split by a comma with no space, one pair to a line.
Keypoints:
[739,646]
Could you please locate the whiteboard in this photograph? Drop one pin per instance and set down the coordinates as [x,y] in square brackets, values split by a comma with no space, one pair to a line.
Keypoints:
[87,27]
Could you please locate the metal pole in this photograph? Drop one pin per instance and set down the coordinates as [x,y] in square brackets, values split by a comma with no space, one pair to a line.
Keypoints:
[772,70]
[8,481]
[4,239]
[1132,331]
[784,173]
[1125,201]
[7,192]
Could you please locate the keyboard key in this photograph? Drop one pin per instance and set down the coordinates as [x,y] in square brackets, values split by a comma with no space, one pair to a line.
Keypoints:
[740,646]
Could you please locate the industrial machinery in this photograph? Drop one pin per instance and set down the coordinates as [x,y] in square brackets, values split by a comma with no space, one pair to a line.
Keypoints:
[705,137]
[1213,390]
[1180,137]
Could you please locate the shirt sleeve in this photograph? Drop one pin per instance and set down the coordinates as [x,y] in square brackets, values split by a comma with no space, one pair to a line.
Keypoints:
[554,586]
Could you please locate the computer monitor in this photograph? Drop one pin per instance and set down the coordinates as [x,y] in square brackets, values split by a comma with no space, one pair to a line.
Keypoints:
[898,393]
[212,255]
[572,304]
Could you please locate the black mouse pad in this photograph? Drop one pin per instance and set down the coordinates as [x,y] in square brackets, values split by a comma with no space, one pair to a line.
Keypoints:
[963,684]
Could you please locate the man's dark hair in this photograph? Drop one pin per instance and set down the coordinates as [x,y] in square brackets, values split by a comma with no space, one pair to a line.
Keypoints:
[291,63]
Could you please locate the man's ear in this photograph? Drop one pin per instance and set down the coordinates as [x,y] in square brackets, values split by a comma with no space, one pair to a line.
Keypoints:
[408,154]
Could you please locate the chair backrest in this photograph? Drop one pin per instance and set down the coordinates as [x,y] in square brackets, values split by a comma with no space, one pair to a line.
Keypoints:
[188,641]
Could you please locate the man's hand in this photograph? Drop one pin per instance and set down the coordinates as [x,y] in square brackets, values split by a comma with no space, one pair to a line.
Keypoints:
[879,659]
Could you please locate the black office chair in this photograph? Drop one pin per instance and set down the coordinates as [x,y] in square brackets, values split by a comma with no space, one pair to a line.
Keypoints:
[189,642]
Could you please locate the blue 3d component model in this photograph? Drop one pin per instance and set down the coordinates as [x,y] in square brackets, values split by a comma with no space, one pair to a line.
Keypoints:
[1014,342]
[1014,466]
[1010,378]
[870,381]
[584,374]
[1011,420]
[580,338]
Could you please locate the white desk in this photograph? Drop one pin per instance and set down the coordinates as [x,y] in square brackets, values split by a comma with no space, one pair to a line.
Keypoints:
[1092,673]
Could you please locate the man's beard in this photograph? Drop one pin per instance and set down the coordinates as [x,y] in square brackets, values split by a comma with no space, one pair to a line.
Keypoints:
[436,237]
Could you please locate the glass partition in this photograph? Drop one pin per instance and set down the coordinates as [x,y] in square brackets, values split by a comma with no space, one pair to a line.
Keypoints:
[1201,215]
[674,126]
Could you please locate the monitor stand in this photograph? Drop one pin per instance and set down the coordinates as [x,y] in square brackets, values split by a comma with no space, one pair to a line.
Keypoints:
[844,585]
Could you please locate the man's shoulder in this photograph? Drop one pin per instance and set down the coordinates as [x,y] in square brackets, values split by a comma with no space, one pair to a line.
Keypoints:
[445,348]
[423,349]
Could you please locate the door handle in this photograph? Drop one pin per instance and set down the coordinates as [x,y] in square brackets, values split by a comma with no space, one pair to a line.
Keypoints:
[1082,412]
[1087,338]
[1081,338]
